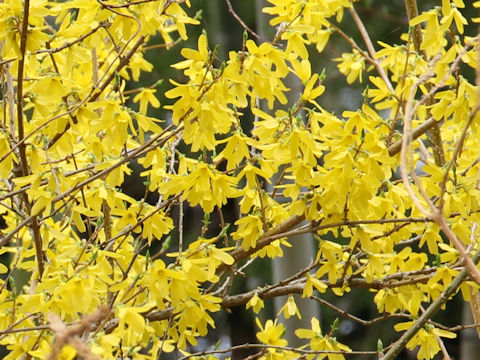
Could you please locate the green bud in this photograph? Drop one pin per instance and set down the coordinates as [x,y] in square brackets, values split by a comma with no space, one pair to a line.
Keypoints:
[167,242]
[224,230]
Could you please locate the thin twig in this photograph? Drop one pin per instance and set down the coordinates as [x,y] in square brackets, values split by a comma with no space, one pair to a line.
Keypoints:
[240,21]
[355,318]
[285,348]
[76,41]
[370,48]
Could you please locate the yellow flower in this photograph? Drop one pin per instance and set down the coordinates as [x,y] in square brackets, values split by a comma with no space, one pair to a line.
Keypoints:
[310,93]
[290,309]
[204,185]
[145,96]
[426,338]
[249,230]
[68,353]
[255,303]
[319,342]
[235,151]
[351,65]
[272,333]
[310,284]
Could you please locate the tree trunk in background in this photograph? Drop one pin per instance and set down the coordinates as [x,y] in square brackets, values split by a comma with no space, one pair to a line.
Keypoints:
[469,344]
[303,250]
[294,260]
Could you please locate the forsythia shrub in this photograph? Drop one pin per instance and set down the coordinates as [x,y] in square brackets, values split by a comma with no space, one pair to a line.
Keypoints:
[70,131]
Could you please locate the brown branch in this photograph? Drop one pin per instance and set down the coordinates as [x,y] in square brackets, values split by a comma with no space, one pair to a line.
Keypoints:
[419,131]
[353,44]
[118,6]
[262,204]
[11,234]
[21,134]
[370,48]
[311,229]
[458,327]
[401,84]
[6,61]
[80,39]
[264,347]
[25,329]
[355,318]
[412,11]
[73,334]
[161,46]
[366,56]
[20,73]
[296,287]
[240,21]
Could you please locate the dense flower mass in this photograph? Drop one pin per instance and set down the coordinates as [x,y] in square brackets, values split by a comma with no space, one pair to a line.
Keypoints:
[395,181]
